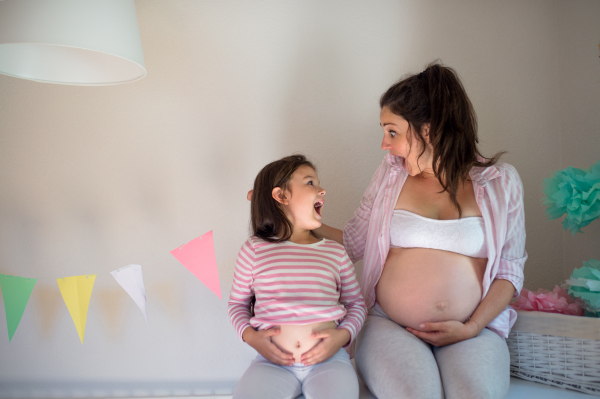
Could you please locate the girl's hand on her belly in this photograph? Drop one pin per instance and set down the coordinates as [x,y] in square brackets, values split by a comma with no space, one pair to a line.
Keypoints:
[298,339]
[332,341]
[445,332]
[261,341]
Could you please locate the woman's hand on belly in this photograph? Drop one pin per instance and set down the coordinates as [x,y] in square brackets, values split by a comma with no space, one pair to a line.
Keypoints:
[332,340]
[445,332]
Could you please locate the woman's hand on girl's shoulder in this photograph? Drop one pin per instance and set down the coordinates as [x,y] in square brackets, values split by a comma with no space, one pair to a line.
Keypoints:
[332,340]
[261,342]
[445,332]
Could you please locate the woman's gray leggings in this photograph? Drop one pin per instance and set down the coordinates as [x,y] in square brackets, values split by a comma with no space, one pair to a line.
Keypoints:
[395,364]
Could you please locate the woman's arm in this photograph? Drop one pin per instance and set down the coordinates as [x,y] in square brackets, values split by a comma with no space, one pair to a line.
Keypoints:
[331,233]
[354,235]
[325,231]
[513,254]
[507,282]
[496,300]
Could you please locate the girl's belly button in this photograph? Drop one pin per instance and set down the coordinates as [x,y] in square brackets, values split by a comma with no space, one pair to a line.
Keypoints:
[296,339]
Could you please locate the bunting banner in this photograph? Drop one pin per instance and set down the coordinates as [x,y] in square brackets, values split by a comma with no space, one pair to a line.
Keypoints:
[130,278]
[15,293]
[198,256]
[76,292]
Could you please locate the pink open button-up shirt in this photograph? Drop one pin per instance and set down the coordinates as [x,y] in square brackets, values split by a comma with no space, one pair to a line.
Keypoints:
[499,194]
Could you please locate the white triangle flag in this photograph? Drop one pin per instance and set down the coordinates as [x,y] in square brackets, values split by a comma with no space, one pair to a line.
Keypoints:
[130,278]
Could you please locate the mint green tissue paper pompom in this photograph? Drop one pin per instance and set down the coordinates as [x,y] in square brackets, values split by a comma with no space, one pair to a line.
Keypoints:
[584,283]
[575,192]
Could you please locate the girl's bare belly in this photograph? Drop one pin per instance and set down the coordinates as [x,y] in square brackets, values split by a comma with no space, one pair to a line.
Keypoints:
[296,339]
[421,285]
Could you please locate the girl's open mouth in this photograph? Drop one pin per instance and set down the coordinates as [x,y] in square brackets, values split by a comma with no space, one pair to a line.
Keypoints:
[318,206]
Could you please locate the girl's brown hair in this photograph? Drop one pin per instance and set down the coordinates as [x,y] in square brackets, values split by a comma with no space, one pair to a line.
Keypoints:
[268,219]
[436,96]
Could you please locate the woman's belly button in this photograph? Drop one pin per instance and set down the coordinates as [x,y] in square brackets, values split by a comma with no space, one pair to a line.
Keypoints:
[441,305]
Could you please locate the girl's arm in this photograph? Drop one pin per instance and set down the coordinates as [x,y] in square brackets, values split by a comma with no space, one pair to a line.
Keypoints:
[352,299]
[241,294]
[239,304]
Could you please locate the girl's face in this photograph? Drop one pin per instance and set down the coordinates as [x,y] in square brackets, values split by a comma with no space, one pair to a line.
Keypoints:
[303,200]
[399,141]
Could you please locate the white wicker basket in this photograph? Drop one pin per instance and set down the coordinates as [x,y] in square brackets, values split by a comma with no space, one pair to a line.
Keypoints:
[555,349]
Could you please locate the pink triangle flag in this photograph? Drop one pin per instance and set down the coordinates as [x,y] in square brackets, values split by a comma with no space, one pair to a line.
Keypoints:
[198,256]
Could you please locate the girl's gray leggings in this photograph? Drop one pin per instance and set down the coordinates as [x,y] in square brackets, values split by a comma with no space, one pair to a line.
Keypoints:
[334,378]
[395,364]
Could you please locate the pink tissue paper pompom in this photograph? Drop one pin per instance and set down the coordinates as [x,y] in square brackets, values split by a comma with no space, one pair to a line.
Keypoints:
[556,301]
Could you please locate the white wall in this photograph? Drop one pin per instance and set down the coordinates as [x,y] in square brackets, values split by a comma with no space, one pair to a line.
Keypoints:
[95,178]
[579,57]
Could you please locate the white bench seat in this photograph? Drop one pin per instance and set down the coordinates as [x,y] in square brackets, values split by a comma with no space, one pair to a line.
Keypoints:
[519,389]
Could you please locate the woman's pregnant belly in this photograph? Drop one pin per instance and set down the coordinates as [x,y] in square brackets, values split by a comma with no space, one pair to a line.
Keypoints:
[421,285]
[296,339]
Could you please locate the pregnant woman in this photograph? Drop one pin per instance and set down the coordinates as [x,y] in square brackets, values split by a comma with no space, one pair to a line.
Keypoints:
[441,232]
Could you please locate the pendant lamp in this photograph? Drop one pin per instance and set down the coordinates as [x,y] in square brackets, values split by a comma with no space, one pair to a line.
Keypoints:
[73,42]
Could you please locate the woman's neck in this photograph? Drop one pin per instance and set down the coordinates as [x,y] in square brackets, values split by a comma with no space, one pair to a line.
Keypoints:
[427,174]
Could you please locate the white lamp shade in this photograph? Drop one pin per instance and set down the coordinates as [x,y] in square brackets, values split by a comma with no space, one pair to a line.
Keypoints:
[76,42]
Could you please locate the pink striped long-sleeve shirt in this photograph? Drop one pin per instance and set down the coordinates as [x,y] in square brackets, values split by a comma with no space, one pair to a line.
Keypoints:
[295,284]
[499,194]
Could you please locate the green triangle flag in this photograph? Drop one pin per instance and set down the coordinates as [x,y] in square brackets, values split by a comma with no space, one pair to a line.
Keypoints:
[15,292]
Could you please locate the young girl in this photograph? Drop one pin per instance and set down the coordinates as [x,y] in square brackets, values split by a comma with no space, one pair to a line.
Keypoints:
[307,305]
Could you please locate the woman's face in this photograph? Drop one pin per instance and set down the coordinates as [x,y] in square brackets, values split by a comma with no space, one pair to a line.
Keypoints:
[400,141]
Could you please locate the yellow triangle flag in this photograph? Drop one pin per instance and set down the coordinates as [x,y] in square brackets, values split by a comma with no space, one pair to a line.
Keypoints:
[76,292]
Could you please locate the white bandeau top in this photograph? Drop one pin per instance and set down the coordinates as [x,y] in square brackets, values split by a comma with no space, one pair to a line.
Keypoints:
[464,236]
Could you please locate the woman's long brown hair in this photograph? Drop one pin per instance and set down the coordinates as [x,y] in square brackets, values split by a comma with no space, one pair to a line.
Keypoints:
[268,219]
[436,96]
